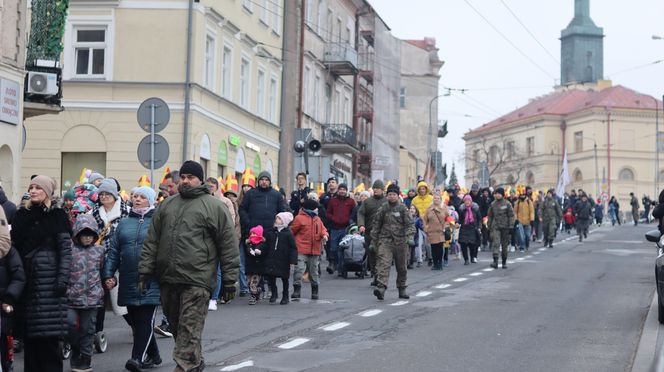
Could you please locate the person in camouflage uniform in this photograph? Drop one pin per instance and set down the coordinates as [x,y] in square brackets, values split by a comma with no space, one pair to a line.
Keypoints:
[391,232]
[550,214]
[365,217]
[501,222]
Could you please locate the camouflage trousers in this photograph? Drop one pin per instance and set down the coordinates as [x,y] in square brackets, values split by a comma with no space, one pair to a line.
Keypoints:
[549,226]
[186,307]
[371,254]
[500,238]
[387,251]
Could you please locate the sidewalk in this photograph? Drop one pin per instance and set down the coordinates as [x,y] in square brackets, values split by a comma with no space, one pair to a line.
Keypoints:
[649,354]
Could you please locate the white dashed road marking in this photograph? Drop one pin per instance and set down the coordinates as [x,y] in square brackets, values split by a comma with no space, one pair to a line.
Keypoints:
[423,294]
[537,252]
[475,274]
[443,286]
[542,249]
[235,367]
[459,280]
[369,313]
[335,326]
[529,256]
[294,343]
[488,269]
[520,258]
[510,262]
[400,303]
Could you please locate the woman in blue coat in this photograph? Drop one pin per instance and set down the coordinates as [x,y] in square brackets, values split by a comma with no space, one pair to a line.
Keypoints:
[123,255]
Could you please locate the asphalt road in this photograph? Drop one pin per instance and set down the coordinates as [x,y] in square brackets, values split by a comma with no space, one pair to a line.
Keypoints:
[575,307]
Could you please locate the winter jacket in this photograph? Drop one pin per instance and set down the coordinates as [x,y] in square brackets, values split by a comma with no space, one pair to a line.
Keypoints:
[7,206]
[309,232]
[525,211]
[105,227]
[434,223]
[550,209]
[658,212]
[469,233]
[281,253]
[485,203]
[191,233]
[392,224]
[422,202]
[599,211]
[42,237]
[582,210]
[254,264]
[634,202]
[352,247]
[259,207]
[501,215]
[85,289]
[367,212]
[568,217]
[295,198]
[339,210]
[12,277]
[123,256]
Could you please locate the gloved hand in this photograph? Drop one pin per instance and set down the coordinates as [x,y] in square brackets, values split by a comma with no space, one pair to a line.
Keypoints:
[257,252]
[144,282]
[411,242]
[229,292]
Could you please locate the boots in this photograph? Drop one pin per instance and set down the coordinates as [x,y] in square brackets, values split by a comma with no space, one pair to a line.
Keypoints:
[402,293]
[504,262]
[379,292]
[284,297]
[274,295]
[495,263]
[296,292]
[314,292]
[80,363]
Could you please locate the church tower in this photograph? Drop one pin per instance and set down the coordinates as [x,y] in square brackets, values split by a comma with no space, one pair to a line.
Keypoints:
[582,48]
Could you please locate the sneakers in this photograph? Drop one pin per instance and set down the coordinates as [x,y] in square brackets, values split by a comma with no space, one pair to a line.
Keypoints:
[212,306]
[446,264]
[151,361]
[253,300]
[466,263]
[133,366]
[314,292]
[473,260]
[163,330]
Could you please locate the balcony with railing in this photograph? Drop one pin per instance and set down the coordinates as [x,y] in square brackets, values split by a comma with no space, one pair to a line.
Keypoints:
[366,65]
[340,58]
[339,138]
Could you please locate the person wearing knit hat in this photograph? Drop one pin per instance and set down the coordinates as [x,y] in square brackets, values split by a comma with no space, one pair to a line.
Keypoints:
[339,211]
[500,222]
[310,205]
[96,178]
[41,234]
[310,234]
[378,184]
[282,254]
[393,188]
[147,192]
[365,216]
[108,186]
[68,200]
[192,168]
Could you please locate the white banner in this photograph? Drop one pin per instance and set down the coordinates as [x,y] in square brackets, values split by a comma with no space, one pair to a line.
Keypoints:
[564,178]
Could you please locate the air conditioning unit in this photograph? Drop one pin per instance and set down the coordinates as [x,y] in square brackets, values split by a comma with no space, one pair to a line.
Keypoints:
[42,83]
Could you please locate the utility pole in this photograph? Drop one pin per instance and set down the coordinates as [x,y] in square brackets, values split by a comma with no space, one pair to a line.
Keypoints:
[596,174]
[656,149]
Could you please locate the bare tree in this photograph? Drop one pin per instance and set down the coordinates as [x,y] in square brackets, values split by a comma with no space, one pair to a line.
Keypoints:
[502,157]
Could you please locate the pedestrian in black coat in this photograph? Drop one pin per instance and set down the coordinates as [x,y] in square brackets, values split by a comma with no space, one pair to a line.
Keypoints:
[280,254]
[41,234]
[260,205]
[12,283]
[8,206]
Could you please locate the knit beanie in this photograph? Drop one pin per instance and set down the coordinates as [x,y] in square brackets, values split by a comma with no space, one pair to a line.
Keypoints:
[69,195]
[257,238]
[95,176]
[265,174]
[378,184]
[500,191]
[45,183]
[109,186]
[310,204]
[286,217]
[148,192]
[467,197]
[193,168]
[393,188]
[342,186]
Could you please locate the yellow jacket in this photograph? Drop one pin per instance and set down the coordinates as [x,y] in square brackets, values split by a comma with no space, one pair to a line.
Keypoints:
[524,211]
[422,202]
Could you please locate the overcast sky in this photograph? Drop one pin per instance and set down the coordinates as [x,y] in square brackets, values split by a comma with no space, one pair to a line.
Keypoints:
[497,76]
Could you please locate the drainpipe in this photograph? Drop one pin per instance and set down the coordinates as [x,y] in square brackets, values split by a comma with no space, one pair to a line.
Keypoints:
[608,149]
[187,82]
[300,109]
[563,129]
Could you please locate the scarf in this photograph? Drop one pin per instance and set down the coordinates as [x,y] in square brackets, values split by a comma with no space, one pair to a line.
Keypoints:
[310,212]
[255,239]
[469,220]
[114,213]
[142,211]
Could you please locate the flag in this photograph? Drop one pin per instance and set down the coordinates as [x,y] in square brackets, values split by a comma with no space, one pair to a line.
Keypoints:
[83,177]
[166,172]
[564,177]
[222,184]
[144,180]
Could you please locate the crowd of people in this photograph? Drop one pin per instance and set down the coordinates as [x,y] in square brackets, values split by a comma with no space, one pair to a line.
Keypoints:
[197,243]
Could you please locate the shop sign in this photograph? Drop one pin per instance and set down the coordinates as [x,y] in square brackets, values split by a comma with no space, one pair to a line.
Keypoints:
[222,154]
[234,140]
[257,164]
[10,102]
[253,146]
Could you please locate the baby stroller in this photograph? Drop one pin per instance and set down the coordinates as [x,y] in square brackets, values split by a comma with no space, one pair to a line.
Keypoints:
[353,253]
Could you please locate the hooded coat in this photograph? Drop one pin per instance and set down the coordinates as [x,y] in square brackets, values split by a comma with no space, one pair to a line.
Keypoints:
[309,232]
[469,233]
[85,290]
[260,206]
[422,202]
[42,237]
[281,252]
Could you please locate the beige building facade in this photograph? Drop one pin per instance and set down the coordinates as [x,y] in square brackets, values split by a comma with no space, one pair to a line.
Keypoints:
[13,31]
[119,53]
[607,131]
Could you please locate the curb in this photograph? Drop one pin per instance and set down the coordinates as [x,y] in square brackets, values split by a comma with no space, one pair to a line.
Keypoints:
[649,344]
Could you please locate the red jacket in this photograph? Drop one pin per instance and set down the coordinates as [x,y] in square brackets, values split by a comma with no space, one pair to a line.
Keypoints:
[308,232]
[339,211]
[569,217]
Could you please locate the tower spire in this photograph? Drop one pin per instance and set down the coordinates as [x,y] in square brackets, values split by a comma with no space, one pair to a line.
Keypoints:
[581,8]
[582,48]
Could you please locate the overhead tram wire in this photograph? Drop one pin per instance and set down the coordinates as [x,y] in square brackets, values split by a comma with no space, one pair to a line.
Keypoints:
[636,67]
[530,33]
[509,41]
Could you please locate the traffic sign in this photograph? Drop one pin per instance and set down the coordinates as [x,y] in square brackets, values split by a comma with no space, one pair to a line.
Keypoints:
[158,108]
[161,151]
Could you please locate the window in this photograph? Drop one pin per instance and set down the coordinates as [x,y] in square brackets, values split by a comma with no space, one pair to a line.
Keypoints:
[244,83]
[272,101]
[321,13]
[493,154]
[306,91]
[226,64]
[511,150]
[316,96]
[329,23]
[337,107]
[208,78]
[246,4]
[476,155]
[402,97]
[626,174]
[328,103]
[260,93]
[263,11]
[578,141]
[339,29]
[530,146]
[347,35]
[530,178]
[276,15]
[346,110]
[221,171]
[309,12]
[577,176]
[204,164]
[90,51]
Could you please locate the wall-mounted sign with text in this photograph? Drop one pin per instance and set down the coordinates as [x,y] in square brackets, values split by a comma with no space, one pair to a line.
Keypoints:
[10,101]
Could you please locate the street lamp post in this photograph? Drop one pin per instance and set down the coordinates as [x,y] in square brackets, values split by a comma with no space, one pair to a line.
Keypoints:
[596,166]
[429,137]
[656,147]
